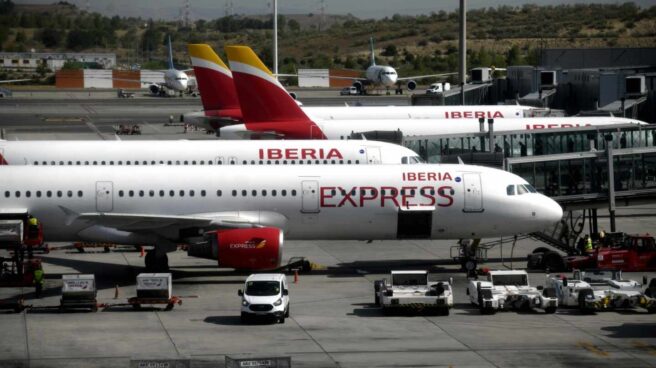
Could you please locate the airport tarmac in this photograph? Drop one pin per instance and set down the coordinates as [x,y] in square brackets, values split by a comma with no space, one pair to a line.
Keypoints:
[26,109]
[333,322]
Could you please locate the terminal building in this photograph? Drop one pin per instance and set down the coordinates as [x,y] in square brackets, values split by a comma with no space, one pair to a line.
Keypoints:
[29,61]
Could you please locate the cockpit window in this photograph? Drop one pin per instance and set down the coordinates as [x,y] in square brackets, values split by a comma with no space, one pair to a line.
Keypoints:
[530,188]
[510,190]
[412,160]
[521,189]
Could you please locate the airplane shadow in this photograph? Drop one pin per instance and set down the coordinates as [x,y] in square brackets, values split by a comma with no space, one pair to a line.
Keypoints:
[632,330]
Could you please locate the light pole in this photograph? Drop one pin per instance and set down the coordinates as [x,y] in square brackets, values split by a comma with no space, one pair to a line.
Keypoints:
[275,38]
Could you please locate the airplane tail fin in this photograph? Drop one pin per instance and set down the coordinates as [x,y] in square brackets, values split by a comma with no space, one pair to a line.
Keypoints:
[264,101]
[170,54]
[214,79]
[373,55]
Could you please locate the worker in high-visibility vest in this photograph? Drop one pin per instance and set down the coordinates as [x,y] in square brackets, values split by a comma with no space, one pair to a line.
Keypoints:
[588,244]
[39,281]
[33,226]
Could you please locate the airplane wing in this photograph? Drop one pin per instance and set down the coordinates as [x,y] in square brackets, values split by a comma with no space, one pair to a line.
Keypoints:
[14,80]
[425,76]
[250,135]
[164,223]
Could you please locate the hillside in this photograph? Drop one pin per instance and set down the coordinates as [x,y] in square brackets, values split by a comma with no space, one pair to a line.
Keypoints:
[427,43]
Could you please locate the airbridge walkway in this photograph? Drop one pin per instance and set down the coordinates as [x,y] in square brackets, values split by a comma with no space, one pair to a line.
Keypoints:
[585,168]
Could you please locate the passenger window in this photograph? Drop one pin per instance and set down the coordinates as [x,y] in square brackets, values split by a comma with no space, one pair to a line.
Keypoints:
[274,192]
[77,163]
[252,162]
[131,193]
[102,162]
[191,193]
[86,162]
[59,193]
[243,193]
[49,194]
[218,193]
[254,193]
[61,162]
[263,193]
[151,193]
[234,193]
[95,162]
[202,162]
[202,193]
[120,163]
[283,192]
[171,193]
[17,194]
[161,193]
[36,162]
[182,193]
[7,194]
[348,162]
[169,162]
[186,162]
[277,162]
[193,162]
[141,193]
[120,193]
[357,162]
[69,193]
[111,163]
[245,162]
[294,192]
[79,193]
[136,162]
[510,190]
[154,162]
[38,194]
[70,163]
[404,160]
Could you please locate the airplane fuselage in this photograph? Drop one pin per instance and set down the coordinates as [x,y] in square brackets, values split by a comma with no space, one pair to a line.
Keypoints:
[381,75]
[347,202]
[191,153]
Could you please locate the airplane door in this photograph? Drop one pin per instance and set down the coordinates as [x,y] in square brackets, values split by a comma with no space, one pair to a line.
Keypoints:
[473,192]
[219,161]
[310,197]
[373,155]
[104,196]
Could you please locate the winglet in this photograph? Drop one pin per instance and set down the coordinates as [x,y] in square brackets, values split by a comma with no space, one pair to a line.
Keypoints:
[265,103]
[217,89]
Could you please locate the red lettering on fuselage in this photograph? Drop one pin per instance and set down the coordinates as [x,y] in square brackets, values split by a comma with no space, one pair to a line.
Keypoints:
[554,126]
[299,153]
[426,176]
[385,196]
[472,114]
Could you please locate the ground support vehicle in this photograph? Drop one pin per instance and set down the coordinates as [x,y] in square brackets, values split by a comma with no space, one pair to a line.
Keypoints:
[78,292]
[415,291]
[619,251]
[602,289]
[349,91]
[154,288]
[510,289]
[125,94]
[265,295]
[19,238]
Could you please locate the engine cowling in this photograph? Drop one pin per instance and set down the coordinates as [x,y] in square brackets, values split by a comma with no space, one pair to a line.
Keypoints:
[293,95]
[358,85]
[154,89]
[243,249]
[412,85]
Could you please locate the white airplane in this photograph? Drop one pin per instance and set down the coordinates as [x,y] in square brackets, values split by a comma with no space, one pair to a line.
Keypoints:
[269,112]
[247,213]
[203,153]
[386,76]
[221,104]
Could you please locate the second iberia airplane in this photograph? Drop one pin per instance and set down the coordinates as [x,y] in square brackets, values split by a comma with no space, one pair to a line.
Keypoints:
[239,216]
[269,112]
[203,153]
[221,104]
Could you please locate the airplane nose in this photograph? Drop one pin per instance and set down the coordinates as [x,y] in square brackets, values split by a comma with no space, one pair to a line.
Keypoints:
[551,211]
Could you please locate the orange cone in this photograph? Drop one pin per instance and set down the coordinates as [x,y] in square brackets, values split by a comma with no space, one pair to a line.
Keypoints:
[296,276]
[116,292]
[141,251]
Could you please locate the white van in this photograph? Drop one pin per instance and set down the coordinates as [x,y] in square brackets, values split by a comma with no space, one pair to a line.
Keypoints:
[265,295]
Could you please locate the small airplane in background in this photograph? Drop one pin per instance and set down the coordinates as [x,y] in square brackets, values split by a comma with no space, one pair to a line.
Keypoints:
[174,79]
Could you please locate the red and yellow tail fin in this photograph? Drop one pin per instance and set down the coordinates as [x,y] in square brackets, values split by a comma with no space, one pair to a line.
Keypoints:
[217,89]
[264,101]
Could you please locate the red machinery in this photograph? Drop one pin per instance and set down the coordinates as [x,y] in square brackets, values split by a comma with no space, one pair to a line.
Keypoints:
[631,253]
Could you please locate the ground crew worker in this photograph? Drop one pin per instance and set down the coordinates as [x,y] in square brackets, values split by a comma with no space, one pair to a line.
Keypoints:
[602,237]
[38,281]
[588,244]
[33,226]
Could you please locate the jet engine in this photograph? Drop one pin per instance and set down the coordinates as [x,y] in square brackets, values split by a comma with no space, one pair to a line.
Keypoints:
[293,95]
[411,85]
[244,249]
[155,89]
[358,85]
